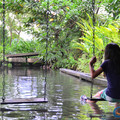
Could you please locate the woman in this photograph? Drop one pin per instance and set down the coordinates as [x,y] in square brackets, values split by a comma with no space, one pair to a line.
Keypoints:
[111,69]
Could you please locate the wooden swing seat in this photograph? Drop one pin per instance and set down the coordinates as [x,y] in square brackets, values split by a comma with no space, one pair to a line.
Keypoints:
[25,100]
[96,99]
[40,110]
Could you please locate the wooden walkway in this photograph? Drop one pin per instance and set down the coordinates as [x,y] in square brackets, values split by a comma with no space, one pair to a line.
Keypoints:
[20,59]
[85,76]
[22,55]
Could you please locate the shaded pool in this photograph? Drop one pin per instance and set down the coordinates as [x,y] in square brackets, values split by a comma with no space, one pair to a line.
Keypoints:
[63,93]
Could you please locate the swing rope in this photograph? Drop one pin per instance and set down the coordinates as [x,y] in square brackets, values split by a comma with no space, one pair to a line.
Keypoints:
[46,47]
[3,83]
[93,7]
[46,54]
[47,36]
[93,11]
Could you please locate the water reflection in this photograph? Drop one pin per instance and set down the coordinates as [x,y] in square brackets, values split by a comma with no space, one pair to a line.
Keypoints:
[100,114]
[23,84]
[63,93]
[25,87]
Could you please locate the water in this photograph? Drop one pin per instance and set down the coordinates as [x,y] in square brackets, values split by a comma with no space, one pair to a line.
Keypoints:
[62,91]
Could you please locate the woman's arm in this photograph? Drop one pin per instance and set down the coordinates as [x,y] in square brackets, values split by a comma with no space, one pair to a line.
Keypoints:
[94,73]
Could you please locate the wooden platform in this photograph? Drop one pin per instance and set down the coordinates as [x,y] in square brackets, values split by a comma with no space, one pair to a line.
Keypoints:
[22,55]
[25,100]
[84,76]
[23,59]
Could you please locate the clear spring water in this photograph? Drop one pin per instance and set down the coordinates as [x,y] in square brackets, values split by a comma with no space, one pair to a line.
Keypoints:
[62,91]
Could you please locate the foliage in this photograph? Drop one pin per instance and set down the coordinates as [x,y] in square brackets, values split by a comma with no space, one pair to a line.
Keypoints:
[85,42]
[103,36]
[69,27]
[21,47]
[113,7]
[69,63]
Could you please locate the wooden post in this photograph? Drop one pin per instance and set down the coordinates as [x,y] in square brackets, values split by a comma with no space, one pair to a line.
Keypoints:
[26,60]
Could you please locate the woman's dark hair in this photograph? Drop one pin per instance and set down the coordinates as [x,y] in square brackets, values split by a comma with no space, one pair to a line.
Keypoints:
[112,53]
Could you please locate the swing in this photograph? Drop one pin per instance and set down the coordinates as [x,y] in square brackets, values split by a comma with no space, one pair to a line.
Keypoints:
[8,110]
[83,98]
[24,100]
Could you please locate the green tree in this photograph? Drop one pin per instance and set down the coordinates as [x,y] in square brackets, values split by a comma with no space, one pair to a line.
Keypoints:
[64,19]
[113,7]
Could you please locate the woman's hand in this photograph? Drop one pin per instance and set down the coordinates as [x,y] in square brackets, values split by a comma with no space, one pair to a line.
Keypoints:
[93,60]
